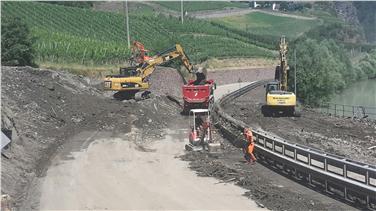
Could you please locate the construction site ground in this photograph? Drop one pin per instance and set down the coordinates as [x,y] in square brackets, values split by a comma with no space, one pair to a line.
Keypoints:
[75,147]
[68,135]
[346,137]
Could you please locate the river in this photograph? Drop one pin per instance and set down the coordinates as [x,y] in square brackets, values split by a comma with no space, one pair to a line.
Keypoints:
[362,93]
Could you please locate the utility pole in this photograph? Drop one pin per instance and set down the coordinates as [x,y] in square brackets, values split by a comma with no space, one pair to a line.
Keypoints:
[125,4]
[182,11]
[295,72]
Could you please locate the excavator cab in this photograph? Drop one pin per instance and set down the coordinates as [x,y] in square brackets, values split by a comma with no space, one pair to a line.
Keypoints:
[128,71]
[200,134]
[272,86]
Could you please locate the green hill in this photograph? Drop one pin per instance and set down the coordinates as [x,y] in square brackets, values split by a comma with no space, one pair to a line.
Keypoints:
[83,36]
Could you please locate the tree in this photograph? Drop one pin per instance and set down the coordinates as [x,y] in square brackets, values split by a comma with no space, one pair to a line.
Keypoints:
[322,71]
[16,43]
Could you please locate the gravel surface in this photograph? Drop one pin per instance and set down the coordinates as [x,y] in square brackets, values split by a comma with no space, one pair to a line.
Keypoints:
[45,108]
[349,138]
[267,188]
[166,81]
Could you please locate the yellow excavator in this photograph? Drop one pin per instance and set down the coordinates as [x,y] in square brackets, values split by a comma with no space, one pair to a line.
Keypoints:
[278,99]
[135,80]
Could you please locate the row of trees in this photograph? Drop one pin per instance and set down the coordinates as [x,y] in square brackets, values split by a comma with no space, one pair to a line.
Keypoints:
[323,61]
[324,68]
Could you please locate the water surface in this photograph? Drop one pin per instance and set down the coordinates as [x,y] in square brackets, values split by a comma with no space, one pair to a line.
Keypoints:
[361,93]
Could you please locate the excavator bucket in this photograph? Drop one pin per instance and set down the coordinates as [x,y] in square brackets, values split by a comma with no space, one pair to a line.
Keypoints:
[214,147]
[210,147]
[191,147]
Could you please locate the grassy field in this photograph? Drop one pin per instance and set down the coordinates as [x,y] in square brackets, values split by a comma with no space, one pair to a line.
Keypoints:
[192,6]
[267,24]
[83,36]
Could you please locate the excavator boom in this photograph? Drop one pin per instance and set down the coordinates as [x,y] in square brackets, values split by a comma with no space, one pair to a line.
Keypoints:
[134,79]
[175,52]
[284,66]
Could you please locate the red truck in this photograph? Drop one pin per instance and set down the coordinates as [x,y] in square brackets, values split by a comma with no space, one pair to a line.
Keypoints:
[198,95]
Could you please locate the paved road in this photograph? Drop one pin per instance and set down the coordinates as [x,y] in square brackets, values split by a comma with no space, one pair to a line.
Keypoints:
[239,12]
[117,173]
[225,89]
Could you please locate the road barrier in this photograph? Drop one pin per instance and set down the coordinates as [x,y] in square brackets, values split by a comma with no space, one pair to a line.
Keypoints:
[351,181]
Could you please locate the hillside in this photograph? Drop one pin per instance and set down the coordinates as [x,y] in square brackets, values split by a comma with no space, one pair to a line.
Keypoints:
[96,37]
[76,35]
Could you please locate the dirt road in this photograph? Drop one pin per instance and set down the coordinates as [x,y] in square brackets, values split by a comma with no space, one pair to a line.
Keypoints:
[118,174]
[132,172]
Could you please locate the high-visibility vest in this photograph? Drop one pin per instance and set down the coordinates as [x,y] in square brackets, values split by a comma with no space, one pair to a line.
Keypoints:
[249,136]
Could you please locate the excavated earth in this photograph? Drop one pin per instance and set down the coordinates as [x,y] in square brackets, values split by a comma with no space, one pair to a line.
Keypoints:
[346,137]
[45,109]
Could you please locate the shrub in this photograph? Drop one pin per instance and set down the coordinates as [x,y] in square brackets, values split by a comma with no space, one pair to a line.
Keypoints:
[16,43]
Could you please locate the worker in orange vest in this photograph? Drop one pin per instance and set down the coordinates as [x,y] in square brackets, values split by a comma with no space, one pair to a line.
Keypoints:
[249,147]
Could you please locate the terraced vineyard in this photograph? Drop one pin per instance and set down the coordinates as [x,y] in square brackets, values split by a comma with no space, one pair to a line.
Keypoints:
[191,6]
[74,35]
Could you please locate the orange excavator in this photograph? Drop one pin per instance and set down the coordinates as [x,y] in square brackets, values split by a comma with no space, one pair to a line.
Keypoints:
[139,54]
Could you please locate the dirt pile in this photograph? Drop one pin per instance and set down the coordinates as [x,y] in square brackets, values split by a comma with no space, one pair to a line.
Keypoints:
[166,81]
[44,108]
[345,137]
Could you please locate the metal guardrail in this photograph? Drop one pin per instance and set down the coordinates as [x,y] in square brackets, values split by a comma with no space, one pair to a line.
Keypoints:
[340,177]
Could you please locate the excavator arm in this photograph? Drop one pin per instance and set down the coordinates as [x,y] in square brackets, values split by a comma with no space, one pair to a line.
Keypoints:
[148,67]
[283,66]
